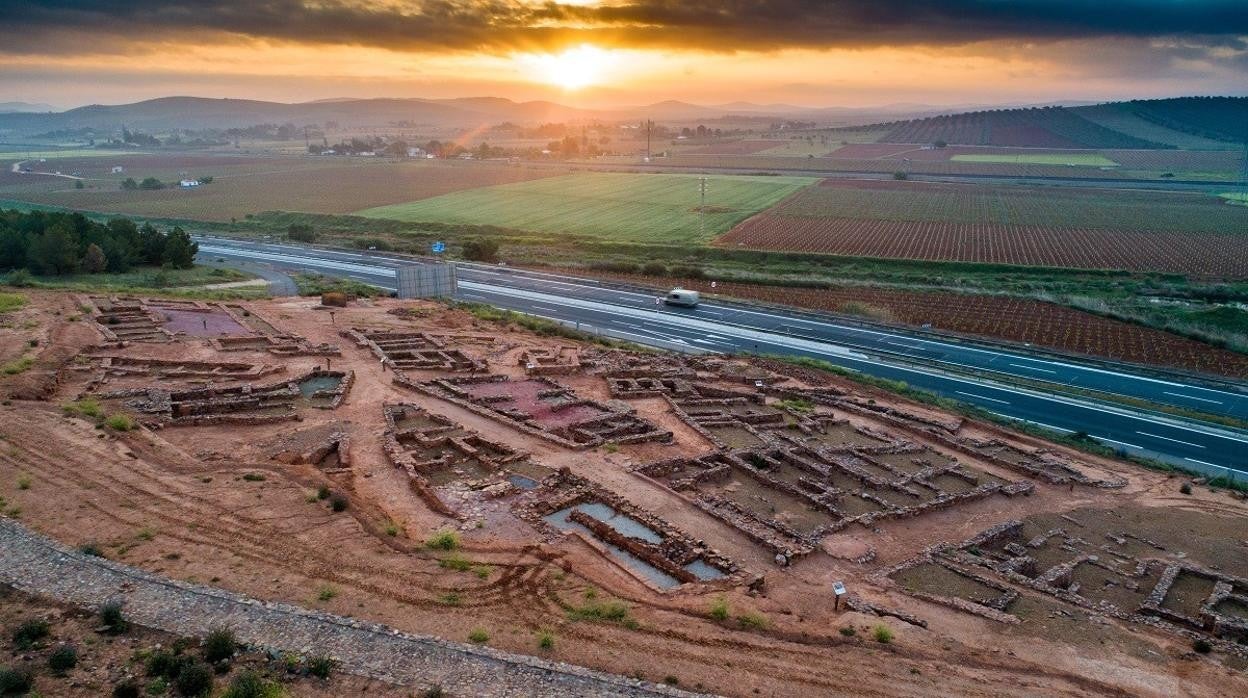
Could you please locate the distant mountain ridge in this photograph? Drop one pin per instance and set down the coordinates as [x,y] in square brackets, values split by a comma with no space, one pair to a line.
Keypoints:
[24,107]
[1185,122]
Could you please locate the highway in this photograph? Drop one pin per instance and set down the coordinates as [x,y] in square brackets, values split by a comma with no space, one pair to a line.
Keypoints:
[923,361]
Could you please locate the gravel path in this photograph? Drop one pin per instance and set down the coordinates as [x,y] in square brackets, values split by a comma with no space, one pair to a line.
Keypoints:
[38,565]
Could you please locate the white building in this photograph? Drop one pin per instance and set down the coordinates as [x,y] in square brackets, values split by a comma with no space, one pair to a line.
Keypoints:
[188,183]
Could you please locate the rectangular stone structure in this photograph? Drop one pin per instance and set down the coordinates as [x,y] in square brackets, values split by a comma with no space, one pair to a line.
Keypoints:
[426,280]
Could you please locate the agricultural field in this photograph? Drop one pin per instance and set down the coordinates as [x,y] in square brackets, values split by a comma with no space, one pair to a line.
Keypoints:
[1238,198]
[12,153]
[1147,231]
[245,185]
[740,147]
[1079,159]
[1120,117]
[618,207]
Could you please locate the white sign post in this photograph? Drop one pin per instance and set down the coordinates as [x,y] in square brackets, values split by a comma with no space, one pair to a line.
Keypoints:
[838,588]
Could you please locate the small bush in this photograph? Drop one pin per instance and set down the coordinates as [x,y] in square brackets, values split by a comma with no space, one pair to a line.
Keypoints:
[752,620]
[91,548]
[849,631]
[162,663]
[719,609]
[882,634]
[250,684]
[62,659]
[219,644]
[479,636]
[545,640]
[1202,646]
[455,562]
[23,482]
[671,680]
[323,492]
[119,422]
[611,447]
[321,666]
[194,679]
[254,477]
[900,176]
[326,593]
[20,278]
[450,599]
[338,503]
[126,689]
[1185,488]
[434,691]
[392,529]
[443,540]
[113,620]
[29,633]
[15,682]
[17,366]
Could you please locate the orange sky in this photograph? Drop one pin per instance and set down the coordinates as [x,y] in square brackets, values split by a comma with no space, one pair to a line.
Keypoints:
[620,53]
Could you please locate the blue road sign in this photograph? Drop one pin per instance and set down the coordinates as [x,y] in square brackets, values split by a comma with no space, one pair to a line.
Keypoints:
[439,247]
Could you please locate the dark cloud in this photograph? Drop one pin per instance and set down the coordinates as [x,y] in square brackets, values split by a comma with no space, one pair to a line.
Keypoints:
[43,26]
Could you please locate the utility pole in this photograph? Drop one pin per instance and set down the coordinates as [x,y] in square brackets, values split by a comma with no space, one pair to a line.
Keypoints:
[702,209]
[649,126]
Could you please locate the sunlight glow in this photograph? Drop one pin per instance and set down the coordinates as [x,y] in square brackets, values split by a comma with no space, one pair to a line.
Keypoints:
[572,69]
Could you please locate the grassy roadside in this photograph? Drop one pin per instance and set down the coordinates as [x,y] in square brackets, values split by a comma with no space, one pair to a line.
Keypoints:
[1077,440]
[147,281]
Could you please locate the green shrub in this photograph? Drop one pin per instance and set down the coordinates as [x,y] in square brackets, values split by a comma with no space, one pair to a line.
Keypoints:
[392,529]
[23,482]
[450,599]
[62,659]
[671,680]
[443,540]
[15,682]
[11,301]
[162,663]
[119,422]
[610,611]
[321,666]
[882,634]
[323,492]
[545,640]
[157,687]
[455,562]
[126,689]
[219,644]
[91,548]
[86,407]
[338,503]
[254,477]
[434,691]
[849,631]
[17,366]
[479,636]
[1185,488]
[29,633]
[113,620]
[1202,646]
[194,679]
[20,278]
[719,609]
[326,593]
[752,620]
[250,684]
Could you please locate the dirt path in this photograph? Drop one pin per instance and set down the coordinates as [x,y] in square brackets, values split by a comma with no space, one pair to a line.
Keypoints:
[37,565]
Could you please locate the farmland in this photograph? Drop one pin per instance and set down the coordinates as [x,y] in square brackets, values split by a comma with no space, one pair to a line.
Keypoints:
[1080,159]
[1185,233]
[248,185]
[619,207]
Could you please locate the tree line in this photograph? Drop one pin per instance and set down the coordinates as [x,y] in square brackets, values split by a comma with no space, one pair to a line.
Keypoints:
[53,243]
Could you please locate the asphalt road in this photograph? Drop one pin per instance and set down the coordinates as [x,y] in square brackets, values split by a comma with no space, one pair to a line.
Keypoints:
[921,361]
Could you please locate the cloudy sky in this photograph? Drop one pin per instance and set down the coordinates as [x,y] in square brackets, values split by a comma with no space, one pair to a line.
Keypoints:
[619,52]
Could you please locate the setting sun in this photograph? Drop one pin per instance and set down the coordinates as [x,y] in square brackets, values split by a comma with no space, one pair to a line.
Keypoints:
[572,69]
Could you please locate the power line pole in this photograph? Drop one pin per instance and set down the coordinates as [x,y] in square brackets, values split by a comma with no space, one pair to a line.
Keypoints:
[649,126]
[702,209]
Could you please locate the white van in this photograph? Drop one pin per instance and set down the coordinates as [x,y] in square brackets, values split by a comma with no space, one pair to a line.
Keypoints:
[682,297]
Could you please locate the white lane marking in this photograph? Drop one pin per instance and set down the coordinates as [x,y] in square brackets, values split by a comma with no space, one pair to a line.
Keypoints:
[1212,465]
[1121,443]
[1192,397]
[983,397]
[1167,438]
[902,344]
[1032,421]
[1033,368]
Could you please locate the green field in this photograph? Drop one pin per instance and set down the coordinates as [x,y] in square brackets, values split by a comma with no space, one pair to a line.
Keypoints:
[616,207]
[1080,159]
[1237,198]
